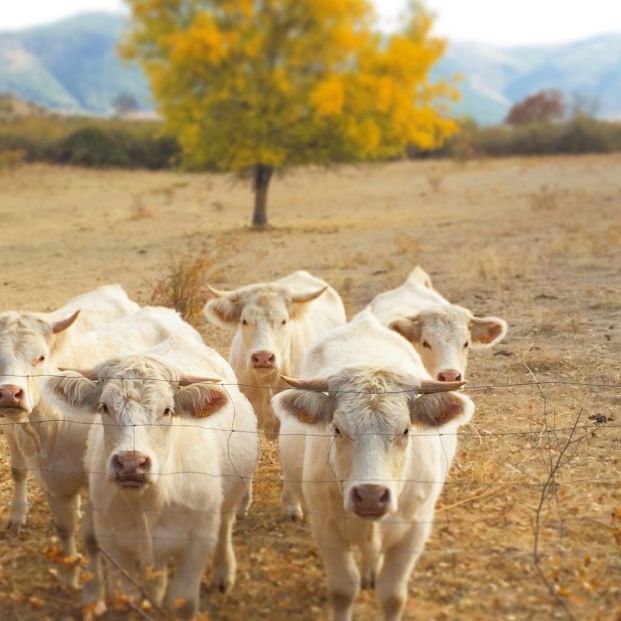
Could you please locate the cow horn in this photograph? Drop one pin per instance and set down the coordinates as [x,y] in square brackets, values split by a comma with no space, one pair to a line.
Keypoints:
[431,386]
[318,385]
[90,374]
[302,298]
[218,293]
[63,324]
[186,380]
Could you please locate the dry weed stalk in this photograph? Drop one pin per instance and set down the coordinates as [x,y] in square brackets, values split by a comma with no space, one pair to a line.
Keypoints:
[184,286]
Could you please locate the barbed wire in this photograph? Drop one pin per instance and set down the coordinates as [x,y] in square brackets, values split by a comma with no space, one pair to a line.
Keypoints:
[444,516]
[464,388]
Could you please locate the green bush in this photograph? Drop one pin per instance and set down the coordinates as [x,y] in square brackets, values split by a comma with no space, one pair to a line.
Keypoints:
[581,135]
[90,142]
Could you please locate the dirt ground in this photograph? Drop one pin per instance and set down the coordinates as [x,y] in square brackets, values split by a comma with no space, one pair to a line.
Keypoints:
[536,241]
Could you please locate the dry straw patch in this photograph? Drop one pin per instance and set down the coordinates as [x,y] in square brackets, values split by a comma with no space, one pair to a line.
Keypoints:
[183,286]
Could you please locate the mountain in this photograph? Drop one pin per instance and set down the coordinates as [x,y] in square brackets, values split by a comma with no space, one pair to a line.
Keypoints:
[493,79]
[72,65]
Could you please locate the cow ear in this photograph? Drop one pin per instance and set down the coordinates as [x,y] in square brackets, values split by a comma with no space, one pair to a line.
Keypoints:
[78,388]
[420,277]
[487,331]
[200,399]
[439,409]
[410,328]
[222,312]
[306,406]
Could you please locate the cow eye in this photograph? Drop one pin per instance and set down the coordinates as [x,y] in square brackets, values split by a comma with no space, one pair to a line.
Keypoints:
[337,431]
[466,345]
[244,322]
[103,408]
[167,412]
[426,345]
[40,359]
[283,322]
[406,432]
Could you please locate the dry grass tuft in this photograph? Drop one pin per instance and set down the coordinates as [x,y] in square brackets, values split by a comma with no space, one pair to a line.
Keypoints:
[11,160]
[435,180]
[407,246]
[141,212]
[545,199]
[184,286]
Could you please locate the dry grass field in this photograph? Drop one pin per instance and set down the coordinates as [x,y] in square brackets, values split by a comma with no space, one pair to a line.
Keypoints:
[536,241]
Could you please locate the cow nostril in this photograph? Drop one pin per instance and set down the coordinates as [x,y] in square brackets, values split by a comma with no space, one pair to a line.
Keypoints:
[19,394]
[356,494]
[385,497]
[449,376]
[144,463]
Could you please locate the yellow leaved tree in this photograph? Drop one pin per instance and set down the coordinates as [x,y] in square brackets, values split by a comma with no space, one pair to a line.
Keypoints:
[258,85]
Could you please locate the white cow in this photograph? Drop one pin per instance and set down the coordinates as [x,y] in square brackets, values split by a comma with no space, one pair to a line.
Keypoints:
[367,449]
[275,324]
[441,332]
[170,460]
[98,307]
[42,438]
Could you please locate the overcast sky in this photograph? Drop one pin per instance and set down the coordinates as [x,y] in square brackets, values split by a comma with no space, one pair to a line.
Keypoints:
[499,22]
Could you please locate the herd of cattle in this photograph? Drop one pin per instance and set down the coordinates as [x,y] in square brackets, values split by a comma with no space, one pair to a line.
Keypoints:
[130,404]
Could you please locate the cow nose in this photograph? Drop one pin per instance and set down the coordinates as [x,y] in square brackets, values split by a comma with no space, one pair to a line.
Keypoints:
[10,396]
[130,463]
[370,501]
[263,360]
[449,375]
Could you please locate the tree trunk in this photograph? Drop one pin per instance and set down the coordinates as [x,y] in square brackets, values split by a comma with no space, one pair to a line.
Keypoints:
[262,177]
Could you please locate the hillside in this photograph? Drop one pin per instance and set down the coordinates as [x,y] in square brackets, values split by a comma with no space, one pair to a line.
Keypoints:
[72,65]
[495,78]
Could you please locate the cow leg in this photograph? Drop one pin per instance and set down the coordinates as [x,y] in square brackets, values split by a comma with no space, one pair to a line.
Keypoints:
[291,464]
[93,592]
[19,502]
[182,598]
[272,424]
[371,564]
[246,501]
[65,515]
[399,561]
[157,583]
[341,572]
[124,562]
[224,564]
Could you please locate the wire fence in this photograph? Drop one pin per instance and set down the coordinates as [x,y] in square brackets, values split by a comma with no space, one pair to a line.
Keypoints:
[555,440]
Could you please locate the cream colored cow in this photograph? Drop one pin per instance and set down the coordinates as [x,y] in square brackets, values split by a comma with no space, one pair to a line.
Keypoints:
[170,460]
[442,333]
[275,323]
[42,438]
[366,442]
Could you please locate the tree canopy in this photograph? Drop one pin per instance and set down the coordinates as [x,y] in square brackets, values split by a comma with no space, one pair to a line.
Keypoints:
[263,84]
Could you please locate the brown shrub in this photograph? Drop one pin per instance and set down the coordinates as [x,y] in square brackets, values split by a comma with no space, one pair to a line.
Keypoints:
[183,287]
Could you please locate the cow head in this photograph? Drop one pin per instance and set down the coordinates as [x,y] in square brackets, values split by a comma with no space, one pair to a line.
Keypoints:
[371,415]
[444,335]
[138,399]
[265,316]
[29,347]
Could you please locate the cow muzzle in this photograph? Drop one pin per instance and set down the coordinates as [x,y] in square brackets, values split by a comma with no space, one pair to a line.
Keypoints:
[263,359]
[450,375]
[131,469]
[370,501]
[12,397]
